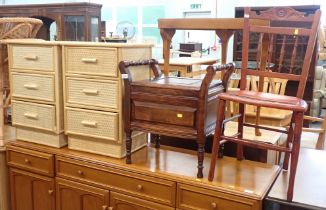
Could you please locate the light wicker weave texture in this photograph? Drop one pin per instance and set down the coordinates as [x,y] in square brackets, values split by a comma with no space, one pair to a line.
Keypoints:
[92,61]
[93,92]
[36,58]
[33,86]
[95,124]
[19,27]
[45,138]
[103,147]
[33,115]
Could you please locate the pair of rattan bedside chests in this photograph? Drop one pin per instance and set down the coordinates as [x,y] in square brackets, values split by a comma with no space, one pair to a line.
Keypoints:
[71,92]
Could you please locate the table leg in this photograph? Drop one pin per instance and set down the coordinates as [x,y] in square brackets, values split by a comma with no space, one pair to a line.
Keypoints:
[166,35]
[200,154]
[1,92]
[224,35]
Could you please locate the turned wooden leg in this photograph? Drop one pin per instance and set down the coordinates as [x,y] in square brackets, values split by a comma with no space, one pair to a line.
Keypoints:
[295,154]
[128,147]
[217,138]
[289,140]
[200,154]
[157,139]
[220,151]
[240,130]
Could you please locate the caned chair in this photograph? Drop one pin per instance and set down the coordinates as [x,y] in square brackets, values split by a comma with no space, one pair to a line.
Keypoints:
[290,40]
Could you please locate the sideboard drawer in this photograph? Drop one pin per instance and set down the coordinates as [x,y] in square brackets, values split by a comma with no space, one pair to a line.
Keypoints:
[154,189]
[99,93]
[163,113]
[192,198]
[30,160]
[91,61]
[33,86]
[103,125]
[28,57]
[34,115]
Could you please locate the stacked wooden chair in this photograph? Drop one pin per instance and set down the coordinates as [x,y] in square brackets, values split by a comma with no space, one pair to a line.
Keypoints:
[290,39]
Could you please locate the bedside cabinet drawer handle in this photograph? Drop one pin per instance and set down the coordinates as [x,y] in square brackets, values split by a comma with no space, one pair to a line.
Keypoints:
[89,123]
[50,192]
[80,172]
[27,161]
[89,60]
[31,57]
[30,115]
[140,187]
[31,86]
[90,91]
[214,205]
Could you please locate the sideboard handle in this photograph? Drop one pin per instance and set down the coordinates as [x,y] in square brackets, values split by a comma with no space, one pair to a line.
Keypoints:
[31,115]
[31,86]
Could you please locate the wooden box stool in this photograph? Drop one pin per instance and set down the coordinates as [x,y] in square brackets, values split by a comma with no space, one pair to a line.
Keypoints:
[172,106]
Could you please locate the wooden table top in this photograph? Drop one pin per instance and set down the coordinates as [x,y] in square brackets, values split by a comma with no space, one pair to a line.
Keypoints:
[188,61]
[245,178]
[204,23]
[310,181]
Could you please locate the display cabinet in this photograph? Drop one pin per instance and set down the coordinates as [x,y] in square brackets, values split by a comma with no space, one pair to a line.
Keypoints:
[74,21]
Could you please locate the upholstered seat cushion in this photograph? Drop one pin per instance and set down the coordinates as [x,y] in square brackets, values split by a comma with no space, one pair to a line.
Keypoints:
[266,100]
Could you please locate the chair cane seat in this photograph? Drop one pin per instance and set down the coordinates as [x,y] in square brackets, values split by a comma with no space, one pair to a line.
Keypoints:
[266,100]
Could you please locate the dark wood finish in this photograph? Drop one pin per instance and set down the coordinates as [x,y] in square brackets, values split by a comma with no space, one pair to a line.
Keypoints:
[155,170]
[292,86]
[30,191]
[50,13]
[74,196]
[310,185]
[295,104]
[179,107]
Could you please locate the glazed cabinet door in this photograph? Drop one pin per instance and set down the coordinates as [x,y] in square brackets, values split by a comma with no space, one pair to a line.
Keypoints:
[31,191]
[123,202]
[74,196]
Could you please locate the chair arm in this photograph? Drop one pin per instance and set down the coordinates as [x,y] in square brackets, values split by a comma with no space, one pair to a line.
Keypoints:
[125,73]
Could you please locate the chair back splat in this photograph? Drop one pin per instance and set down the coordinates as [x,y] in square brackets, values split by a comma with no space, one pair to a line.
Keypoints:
[279,44]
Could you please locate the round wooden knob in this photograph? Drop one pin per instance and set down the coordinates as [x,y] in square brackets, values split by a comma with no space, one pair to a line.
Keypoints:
[27,161]
[213,205]
[105,207]
[80,172]
[50,192]
[110,208]
[139,187]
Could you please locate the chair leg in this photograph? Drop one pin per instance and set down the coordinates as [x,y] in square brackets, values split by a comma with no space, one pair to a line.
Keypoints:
[157,139]
[240,130]
[295,153]
[217,138]
[289,140]
[128,147]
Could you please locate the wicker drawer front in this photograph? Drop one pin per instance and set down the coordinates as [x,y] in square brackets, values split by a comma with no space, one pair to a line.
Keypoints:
[158,190]
[39,58]
[34,115]
[40,87]
[95,124]
[30,160]
[192,198]
[91,93]
[94,61]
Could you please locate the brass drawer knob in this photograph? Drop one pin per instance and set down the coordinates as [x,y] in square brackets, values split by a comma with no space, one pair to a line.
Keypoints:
[213,205]
[139,187]
[50,192]
[27,161]
[80,172]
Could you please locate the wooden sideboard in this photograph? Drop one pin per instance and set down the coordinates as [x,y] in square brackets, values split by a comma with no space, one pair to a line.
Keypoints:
[158,179]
